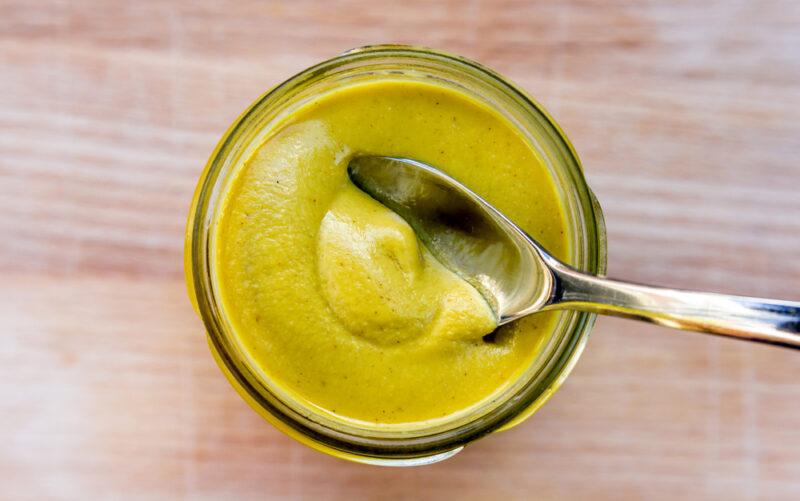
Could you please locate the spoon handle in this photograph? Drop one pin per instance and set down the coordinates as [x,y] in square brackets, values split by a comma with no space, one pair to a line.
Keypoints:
[763,320]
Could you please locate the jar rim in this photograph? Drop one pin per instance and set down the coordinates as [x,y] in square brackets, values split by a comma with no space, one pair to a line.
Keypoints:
[409,449]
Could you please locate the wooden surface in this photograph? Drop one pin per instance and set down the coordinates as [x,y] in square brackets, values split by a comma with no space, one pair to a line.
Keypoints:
[686,116]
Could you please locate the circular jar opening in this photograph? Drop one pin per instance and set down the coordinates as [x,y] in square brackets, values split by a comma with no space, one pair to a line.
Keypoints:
[394,444]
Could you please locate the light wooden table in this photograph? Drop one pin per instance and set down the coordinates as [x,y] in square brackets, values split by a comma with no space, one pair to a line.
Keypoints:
[686,115]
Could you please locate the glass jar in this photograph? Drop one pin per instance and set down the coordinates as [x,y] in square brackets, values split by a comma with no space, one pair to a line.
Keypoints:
[414,445]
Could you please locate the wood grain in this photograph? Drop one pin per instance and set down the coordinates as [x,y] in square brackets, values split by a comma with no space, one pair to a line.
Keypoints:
[687,118]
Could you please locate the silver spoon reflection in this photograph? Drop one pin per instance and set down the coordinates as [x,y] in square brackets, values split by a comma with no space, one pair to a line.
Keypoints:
[518,277]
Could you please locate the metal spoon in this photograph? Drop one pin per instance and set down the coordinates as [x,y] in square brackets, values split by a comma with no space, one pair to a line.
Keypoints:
[518,277]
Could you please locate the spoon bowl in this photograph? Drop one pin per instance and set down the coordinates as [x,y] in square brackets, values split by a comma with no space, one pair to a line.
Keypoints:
[463,231]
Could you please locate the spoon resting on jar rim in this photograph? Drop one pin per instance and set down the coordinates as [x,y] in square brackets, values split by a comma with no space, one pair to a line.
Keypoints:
[518,277]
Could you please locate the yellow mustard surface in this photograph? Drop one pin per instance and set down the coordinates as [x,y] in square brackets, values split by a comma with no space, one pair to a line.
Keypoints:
[332,297]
